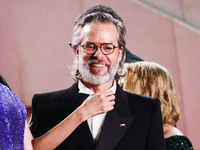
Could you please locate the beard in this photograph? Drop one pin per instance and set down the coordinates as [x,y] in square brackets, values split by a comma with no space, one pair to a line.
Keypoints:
[96,79]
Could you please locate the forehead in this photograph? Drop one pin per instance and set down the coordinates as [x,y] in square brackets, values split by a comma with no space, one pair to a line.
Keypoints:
[100,33]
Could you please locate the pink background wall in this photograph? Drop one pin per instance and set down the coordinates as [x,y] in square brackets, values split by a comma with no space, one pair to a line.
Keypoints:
[35,56]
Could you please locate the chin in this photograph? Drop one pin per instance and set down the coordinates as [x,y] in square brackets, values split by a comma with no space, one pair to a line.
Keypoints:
[97,79]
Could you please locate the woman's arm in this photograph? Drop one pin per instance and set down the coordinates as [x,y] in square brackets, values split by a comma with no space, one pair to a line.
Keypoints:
[27,138]
[93,105]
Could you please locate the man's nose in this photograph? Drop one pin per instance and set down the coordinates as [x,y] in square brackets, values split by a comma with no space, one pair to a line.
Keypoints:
[98,53]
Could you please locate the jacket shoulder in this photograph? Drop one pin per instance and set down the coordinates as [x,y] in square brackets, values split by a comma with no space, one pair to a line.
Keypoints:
[141,98]
[54,99]
[143,103]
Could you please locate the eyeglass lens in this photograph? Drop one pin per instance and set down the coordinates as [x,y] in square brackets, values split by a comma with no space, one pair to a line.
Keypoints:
[106,48]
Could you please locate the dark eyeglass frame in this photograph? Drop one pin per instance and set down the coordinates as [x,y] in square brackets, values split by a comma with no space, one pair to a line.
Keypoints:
[96,48]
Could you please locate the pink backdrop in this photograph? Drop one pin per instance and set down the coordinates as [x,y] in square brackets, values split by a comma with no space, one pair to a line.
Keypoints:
[35,56]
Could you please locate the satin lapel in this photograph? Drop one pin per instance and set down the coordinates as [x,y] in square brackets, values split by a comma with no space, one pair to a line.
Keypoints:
[69,101]
[112,132]
[116,123]
[82,137]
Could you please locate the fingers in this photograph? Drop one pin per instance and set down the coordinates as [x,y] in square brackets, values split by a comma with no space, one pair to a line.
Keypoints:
[106,101]
[111,106]
[106,95]
[100,102]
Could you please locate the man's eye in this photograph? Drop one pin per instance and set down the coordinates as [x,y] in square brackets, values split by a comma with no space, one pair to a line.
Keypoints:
[89,46]
[108,47]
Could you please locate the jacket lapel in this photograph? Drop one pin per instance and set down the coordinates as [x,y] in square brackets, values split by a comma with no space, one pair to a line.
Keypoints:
[116,123]
[111,132]
[82,136]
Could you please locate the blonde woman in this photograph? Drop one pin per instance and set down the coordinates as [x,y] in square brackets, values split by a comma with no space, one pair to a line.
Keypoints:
[152,79]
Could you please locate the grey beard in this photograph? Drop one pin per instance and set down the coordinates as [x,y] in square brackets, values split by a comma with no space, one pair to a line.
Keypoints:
[95,79]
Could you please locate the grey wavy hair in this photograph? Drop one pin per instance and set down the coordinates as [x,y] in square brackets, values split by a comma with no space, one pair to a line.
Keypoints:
[97,17]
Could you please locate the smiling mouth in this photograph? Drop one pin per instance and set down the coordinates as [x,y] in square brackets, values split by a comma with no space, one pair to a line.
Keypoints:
[98,65]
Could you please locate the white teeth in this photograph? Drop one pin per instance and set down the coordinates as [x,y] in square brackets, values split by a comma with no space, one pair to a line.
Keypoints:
[98,65]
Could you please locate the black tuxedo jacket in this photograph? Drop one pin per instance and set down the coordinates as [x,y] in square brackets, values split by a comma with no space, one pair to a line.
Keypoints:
[141,117]
[131,58]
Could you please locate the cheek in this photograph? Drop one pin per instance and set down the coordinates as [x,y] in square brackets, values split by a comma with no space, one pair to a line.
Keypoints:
[84,57]
[115,57]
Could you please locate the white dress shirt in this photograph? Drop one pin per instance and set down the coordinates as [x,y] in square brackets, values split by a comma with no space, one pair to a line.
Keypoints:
[96,122]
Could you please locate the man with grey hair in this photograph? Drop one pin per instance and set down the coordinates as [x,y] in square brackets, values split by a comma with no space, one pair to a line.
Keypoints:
[135,122]
[130,57]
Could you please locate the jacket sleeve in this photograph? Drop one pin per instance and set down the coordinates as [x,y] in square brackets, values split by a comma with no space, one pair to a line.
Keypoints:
[34,119]
[155,138]
[44,117]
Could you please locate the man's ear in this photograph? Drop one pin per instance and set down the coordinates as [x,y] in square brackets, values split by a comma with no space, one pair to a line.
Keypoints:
[77,53]
[121,50]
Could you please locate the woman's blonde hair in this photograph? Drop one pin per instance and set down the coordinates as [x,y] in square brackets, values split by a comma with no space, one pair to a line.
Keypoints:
[152,79]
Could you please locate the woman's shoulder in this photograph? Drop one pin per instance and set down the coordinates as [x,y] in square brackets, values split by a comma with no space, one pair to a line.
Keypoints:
[178,142]
[170,130]
[175,139]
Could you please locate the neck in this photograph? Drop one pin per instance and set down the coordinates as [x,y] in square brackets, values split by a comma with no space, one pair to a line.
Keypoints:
[99,88]
[167,127]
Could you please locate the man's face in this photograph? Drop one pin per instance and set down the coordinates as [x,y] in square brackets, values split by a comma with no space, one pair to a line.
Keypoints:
[98,68]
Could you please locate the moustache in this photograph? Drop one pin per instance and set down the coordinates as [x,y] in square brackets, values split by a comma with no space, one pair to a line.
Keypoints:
[93,60]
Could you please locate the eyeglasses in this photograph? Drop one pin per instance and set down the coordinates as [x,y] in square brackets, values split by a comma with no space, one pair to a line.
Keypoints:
[106,48]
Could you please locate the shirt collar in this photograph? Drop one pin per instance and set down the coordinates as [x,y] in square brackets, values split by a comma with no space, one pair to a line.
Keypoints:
[83,89]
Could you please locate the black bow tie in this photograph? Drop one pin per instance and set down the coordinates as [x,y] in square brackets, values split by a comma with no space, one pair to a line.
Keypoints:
[81,98]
